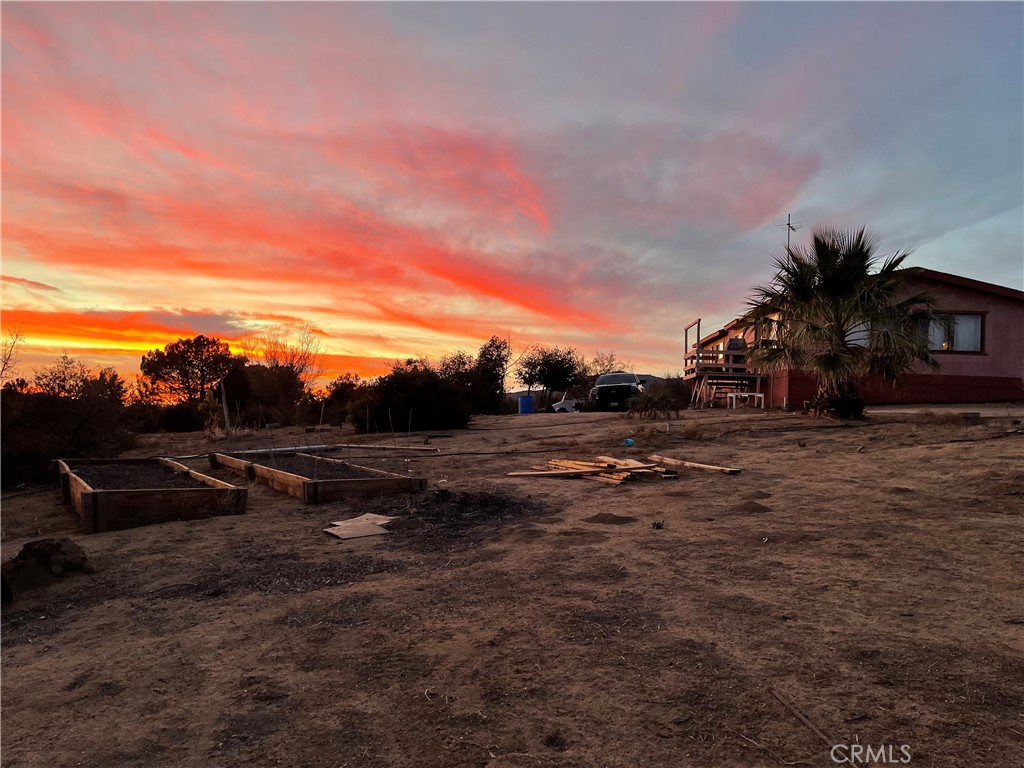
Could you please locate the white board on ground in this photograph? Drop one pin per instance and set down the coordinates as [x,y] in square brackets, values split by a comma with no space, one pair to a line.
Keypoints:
[369,517]
[357,527]
[351,530]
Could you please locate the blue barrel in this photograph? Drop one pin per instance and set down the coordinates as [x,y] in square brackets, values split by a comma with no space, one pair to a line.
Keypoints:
[526,404]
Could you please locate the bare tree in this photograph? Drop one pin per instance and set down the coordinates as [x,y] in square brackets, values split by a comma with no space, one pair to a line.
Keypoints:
[518,351]
[299,350]
[9,356]
[67,377]
[607,362]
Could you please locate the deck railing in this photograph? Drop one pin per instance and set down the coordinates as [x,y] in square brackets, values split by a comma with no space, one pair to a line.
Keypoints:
[702,361]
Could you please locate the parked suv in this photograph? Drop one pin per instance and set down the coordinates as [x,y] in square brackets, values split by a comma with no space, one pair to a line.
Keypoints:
[613,391]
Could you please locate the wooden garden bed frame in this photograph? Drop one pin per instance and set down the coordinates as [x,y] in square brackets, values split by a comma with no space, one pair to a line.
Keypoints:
[319,491]
[116,509]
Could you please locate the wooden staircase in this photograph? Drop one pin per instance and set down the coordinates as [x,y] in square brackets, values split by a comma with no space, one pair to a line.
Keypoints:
[710,390]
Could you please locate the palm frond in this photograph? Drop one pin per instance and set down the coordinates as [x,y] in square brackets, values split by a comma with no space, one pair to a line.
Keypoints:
[825,294]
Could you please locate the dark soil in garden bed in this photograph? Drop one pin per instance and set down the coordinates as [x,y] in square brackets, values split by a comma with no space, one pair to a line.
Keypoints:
[123,477]
[310,467]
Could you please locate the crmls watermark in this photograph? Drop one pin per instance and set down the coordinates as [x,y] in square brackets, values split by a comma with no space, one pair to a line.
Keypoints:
[860,754]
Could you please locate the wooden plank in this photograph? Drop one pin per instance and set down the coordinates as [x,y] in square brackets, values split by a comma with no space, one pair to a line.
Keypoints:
[333,490]
[73,462]
[81,498]
[117,510]
[153,502]
[281,481]
[694,465]
[567,472]
[213,482]
[199,476]
[63,472]
[633,464]
[241,466]
[172,465]
[619,462]
[568,464]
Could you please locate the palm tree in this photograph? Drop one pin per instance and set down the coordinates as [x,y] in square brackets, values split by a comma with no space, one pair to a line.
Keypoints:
[827,311]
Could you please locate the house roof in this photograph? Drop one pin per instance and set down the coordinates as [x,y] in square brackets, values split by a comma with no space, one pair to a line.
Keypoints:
[721,333]
[966,282]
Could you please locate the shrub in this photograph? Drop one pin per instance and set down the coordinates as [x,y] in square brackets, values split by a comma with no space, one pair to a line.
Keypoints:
[37,428]
[660,400]
[655,402]
[182,417]
[412,395]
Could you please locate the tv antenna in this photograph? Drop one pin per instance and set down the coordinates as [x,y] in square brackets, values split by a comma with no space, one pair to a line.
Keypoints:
[791,227]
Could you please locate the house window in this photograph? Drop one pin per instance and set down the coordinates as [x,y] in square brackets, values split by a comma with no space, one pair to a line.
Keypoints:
[959,332]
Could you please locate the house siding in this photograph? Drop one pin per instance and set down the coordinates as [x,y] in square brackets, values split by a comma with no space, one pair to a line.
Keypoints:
[994,374]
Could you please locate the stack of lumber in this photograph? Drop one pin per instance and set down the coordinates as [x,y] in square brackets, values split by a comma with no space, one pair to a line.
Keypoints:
[604,469]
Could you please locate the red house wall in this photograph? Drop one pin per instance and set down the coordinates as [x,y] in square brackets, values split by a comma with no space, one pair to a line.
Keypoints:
[994,374]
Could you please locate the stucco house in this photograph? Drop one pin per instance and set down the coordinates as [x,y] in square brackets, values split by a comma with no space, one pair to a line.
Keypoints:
[979,345]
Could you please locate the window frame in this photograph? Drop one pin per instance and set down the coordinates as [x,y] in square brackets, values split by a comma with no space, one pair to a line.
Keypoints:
[949,313]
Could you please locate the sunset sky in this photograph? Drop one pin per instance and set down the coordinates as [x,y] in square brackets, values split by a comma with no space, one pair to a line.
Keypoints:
[414,178]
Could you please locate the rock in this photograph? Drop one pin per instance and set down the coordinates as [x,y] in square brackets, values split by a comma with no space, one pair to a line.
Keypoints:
[43,562]
[752,508]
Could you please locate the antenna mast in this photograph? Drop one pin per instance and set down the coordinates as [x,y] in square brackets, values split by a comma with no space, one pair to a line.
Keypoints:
[791,226]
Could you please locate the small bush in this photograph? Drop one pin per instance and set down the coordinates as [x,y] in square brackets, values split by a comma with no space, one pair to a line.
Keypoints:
[37,428]
[412,396]
[661,400]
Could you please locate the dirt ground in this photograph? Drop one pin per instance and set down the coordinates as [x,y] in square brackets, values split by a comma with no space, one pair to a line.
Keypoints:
[869,573]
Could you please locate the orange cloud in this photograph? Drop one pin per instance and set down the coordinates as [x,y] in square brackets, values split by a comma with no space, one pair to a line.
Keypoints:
[33,284]
[126,330]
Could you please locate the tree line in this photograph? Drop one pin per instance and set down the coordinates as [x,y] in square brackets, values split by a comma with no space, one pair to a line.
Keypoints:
[197,383]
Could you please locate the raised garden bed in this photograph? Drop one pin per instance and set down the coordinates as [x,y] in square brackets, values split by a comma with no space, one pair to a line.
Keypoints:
[113,494]
[316,479]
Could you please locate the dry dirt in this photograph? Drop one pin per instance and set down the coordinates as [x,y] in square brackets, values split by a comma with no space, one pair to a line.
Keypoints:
[869,573]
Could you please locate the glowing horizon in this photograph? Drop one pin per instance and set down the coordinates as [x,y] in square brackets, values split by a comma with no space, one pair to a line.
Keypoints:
[412,179]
